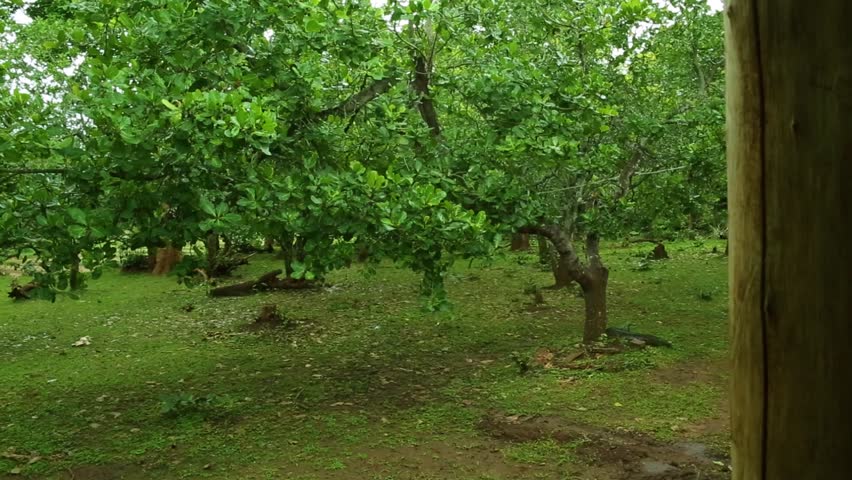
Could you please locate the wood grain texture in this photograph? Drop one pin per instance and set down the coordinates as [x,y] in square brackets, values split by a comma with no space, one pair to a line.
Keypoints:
[790,173]
[746,239]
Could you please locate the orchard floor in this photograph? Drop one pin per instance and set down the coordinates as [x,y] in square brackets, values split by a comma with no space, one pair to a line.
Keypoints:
[366,385]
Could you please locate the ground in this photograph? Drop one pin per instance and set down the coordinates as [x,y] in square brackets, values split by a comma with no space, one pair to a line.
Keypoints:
[362,383]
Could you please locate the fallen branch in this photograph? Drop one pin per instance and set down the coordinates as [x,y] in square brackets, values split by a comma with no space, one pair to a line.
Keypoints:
[22,292]
[267,281]
[639,338]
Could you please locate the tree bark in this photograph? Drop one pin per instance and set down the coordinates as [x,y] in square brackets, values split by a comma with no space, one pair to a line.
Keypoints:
[151,252]
[563,277]
[423,100]
[167,258]
[789,80]
[520,242]
[594,285]
[212,245]
[544,254]
[593,278]
[74,278]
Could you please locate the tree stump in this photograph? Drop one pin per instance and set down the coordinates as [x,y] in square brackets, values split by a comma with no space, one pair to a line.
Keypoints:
[659,253]
[269,315]
[167,258]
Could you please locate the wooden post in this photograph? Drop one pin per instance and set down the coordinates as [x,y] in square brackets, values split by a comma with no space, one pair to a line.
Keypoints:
[789,74]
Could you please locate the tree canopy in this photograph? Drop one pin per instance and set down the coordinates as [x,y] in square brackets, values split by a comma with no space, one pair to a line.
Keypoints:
[425,130]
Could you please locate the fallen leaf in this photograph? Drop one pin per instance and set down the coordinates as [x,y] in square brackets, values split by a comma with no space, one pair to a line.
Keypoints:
[617,404]
[82,342]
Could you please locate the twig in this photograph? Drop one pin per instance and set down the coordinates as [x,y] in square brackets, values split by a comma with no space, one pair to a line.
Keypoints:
[607,180]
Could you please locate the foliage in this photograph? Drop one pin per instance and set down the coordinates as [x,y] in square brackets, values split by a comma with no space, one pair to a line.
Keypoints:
[427,129]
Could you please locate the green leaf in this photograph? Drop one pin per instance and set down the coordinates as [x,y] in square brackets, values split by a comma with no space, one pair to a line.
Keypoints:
[77,215]
[207,206]
[76,231]
[314,25]
[78,35]
[233,218]
[171,106]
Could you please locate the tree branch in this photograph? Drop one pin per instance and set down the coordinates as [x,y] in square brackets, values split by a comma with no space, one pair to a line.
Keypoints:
[420,85]
[562,244]
[360,99]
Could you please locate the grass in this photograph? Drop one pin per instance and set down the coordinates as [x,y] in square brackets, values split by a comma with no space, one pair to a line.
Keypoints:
[364,379]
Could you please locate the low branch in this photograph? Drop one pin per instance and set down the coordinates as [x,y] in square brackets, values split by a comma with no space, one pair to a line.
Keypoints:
[612,179]
[358,100]
[562,244]
[424,102]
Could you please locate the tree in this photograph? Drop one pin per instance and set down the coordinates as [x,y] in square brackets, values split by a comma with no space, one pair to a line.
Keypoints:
[788,111]
[428,130]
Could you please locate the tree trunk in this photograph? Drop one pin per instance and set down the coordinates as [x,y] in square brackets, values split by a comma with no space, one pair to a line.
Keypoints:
[269,244]
[212,245]
[545,255]
[75,279]
[562,274]
[789,106]
[167,258]
[520,242]
[558,264]
[593,278]
[151,252]
[594,284]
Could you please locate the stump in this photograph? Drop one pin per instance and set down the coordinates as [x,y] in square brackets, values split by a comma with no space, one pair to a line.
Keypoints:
[659,253]
[269,315]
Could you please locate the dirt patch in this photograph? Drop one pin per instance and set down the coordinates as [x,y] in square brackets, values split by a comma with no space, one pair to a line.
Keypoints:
[445,460]
[703,372]
[98,472]
[616,455]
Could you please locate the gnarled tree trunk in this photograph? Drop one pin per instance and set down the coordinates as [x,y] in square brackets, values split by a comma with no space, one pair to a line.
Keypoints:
[563,275]
[520,242]
[593,278]
[167,258]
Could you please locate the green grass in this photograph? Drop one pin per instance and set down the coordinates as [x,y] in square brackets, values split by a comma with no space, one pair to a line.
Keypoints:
[364,376]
